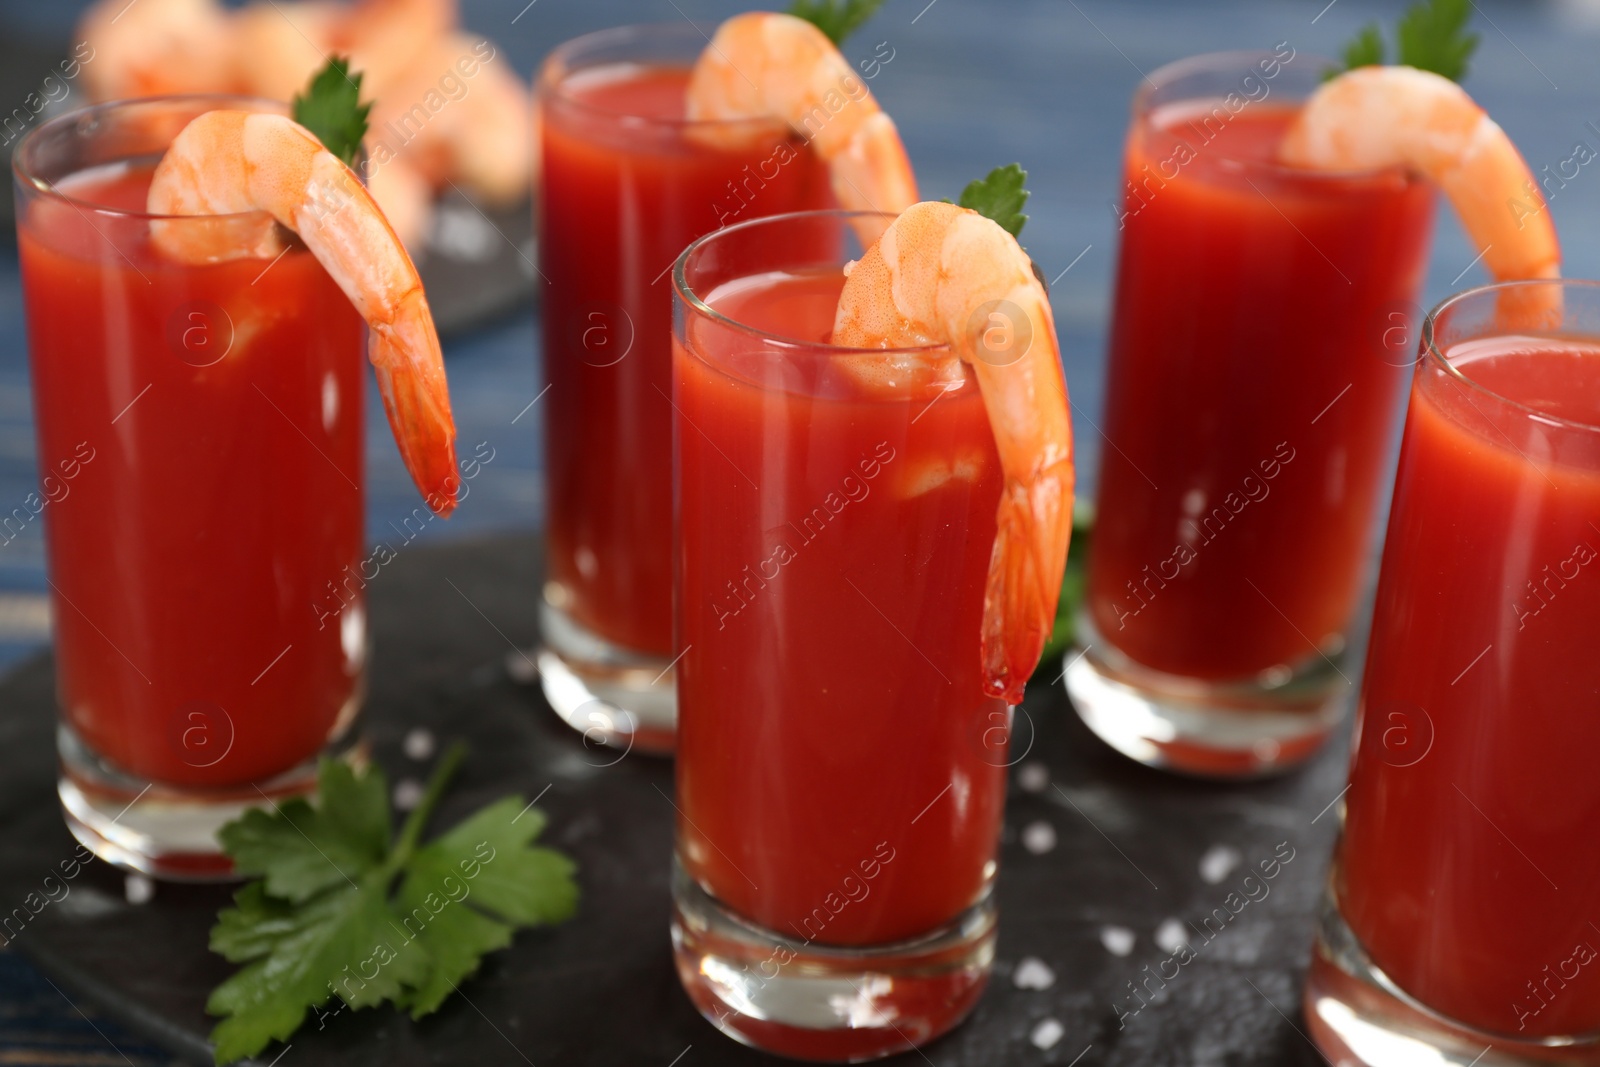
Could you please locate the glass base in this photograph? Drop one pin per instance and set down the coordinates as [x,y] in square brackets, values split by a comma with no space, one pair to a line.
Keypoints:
[1210,729]
[837,1004]
[1357,1016]
[612,695]
[164,831]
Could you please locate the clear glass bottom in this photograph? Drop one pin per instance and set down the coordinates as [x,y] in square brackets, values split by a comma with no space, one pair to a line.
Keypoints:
[1357,1016]
[1212,729]
[170,832]
[827,1003]
[612,695]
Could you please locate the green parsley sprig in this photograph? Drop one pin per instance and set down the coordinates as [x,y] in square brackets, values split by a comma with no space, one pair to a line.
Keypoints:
[1431,35]
[1365,49]
[342,911]
[999,195]
[836,18]
[331,108]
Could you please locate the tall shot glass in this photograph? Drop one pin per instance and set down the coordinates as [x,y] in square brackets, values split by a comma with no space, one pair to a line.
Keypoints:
[1460,921]
[840,770]
[628,182]
[199,431]
[1262,330]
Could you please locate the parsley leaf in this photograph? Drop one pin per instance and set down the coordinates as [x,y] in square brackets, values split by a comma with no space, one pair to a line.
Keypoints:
[836,18]
[1365,49]
[1431,35]
[331,108]
[341,911]
[516,885]
[999,195]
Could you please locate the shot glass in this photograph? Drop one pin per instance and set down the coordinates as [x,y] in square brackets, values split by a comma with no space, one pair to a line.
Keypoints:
[840,770]
[1459,923]
[1263,327]
[628,181]
[199,434]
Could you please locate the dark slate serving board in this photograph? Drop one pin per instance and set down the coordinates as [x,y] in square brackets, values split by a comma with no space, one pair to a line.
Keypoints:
[1099,855]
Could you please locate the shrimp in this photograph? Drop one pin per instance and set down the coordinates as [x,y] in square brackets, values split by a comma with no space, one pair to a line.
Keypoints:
[388,39]
[156,47]
[478,129]
[280,45]
[259,165]
[406,198]
[765,65]
[1374,117]
[943,274]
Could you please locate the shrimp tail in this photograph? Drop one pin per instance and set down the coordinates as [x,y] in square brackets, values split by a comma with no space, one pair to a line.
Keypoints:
[1025,571]
[1501,207]
[408,364]
[1505,213]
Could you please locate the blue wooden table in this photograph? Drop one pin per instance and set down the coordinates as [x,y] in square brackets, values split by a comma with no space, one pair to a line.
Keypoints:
[972,84]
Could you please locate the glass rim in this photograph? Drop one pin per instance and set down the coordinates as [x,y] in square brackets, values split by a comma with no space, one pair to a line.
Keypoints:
[1432,353]
[692,299]
[45,188]
[1167,73]
[557,68]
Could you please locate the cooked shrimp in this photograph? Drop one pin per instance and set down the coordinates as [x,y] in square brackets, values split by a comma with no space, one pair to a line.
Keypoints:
[156,47]
[475,130]
[942,274]
[1374,117]
[281,45]
[765,65]
[388,39]
[236,162]
[406,198]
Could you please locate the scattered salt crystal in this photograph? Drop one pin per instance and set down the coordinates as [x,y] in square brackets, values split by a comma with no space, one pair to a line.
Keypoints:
[138,889]
[1033,777]
[1047,1033]
[419,744]
[1219,862]
[1033,973]
[1171,936]
[1039,837]
[407,794]
[1118,940]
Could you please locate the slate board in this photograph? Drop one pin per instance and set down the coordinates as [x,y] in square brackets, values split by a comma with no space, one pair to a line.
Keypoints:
[1127,857]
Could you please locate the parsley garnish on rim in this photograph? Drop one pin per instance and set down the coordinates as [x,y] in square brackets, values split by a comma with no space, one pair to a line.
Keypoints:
[836,18]
[1365,48]
[331,108]
[341,910]
[1431,35]
[999,195]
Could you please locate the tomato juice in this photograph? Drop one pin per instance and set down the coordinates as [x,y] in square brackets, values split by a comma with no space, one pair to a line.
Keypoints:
[841,771]
[628,183]
[1469,869]
[1259,348]
[211,419]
